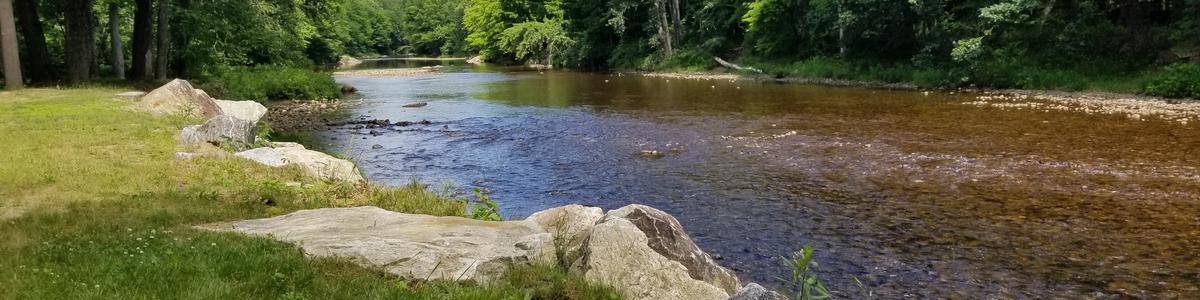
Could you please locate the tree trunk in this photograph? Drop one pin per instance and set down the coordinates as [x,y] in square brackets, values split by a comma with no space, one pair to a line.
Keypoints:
[676,21]
[80,44]
[118,50]
[164,40]
[664,28]
[143,39]
[8,47]
[37,55]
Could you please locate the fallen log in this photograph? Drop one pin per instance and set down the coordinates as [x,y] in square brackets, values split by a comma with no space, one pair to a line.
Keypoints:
[735,66]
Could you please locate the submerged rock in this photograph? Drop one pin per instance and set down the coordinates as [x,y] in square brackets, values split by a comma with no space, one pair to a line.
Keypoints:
[246,110]
[221,130]
[178,97]
[416,104]
[412,246]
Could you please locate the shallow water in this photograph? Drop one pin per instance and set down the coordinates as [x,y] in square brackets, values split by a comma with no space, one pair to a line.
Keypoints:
[902,194]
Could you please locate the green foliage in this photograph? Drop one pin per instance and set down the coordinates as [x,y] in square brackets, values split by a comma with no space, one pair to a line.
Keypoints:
[804,283]
[484,21]
[263,83]
[540,39]
[1177,80]
[485,209]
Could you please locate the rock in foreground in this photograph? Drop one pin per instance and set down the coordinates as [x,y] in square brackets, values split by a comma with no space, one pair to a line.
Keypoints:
[178,97]
[645,253]
[223,130]
[246,110]
[313,163]
[413,246]
[641,251]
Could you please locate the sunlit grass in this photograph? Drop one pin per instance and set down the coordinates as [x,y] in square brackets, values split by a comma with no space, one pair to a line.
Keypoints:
[94,205]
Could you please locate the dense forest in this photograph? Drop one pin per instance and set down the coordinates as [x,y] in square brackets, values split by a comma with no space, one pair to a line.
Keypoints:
[1151,46]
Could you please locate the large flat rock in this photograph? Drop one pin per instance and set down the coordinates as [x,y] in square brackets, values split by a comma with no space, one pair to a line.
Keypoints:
[412,246]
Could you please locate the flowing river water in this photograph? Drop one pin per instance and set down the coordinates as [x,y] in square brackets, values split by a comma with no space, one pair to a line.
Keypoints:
[902,194]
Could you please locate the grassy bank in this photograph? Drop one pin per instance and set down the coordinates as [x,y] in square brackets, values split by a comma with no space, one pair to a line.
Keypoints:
[94,205]
[1175,81]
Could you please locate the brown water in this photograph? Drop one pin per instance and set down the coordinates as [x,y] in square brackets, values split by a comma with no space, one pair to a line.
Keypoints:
[902,194]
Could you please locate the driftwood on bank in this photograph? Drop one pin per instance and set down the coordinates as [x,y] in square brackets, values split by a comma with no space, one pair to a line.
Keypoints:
[734,66]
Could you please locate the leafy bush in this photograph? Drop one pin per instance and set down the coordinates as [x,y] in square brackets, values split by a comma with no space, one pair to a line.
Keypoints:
[264,83]
[1176,81]
[689,59]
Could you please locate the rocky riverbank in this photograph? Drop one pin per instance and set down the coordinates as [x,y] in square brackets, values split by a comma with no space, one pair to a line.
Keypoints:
[641,251]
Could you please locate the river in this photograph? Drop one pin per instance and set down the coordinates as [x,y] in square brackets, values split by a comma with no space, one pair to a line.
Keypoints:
[902,194]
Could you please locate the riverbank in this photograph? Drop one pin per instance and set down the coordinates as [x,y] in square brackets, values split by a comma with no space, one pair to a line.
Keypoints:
[1175,81]
[1135,106]
[96,204]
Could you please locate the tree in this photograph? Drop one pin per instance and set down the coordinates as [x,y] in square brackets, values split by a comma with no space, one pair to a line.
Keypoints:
[536,39]
[114,28]
[8,45]
[164,40]
[80,43]
[143,39]
[37,54]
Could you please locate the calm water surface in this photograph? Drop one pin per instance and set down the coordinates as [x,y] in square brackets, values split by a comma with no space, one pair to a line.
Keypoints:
[902,194]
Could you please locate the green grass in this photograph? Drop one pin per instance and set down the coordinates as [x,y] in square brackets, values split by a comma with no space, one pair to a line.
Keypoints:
[95,206]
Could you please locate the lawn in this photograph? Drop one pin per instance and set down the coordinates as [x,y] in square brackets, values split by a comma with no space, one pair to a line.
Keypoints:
[93,204]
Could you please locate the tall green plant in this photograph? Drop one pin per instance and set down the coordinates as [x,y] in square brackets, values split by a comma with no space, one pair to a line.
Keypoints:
[804,283]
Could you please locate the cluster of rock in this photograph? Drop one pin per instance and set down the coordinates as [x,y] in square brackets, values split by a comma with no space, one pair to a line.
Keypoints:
[234,124]
[641,251]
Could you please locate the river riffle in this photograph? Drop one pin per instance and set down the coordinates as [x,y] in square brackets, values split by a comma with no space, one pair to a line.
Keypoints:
[901,194]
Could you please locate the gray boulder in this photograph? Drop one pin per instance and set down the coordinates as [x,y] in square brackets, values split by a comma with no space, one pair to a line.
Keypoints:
[570,225]
[266,156]
[666,236]
[412,246]
[753,291]
[178,97]
[221,130]
[314,163]
[245,110]
[618,253]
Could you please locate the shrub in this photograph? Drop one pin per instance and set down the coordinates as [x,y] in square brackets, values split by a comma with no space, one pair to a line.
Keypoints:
[264,83]
[1176,81]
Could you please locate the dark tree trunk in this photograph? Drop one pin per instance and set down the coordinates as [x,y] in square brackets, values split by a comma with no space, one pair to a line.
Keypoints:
[164,40]
[143,39]
[1136,20]
[8,47]
[114,29]
[37,55]
[80,44]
